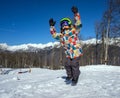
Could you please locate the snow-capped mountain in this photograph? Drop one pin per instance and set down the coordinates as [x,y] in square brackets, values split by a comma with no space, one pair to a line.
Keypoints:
[112,41]
[28,47]
[34,47]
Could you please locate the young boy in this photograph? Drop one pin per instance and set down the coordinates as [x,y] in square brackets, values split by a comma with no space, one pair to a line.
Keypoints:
[70,41]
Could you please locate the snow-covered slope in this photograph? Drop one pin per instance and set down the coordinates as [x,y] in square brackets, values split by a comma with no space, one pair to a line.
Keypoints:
[94,82]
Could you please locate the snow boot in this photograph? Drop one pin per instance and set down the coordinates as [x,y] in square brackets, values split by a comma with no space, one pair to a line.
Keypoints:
[74,82]
[68,80]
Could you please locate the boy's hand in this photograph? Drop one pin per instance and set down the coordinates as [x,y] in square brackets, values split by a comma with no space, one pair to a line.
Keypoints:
[52,22]
[74,9]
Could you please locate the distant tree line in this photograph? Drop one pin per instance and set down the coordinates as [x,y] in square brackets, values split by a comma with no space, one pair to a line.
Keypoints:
[55,58]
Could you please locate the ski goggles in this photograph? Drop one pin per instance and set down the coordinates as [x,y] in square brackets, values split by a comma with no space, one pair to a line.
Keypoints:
[64,23]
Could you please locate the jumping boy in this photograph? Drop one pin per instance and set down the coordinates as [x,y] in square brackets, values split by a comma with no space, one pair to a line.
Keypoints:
[68,38]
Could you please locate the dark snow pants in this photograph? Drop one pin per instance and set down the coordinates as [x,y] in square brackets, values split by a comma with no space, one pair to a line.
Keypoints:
[72,68]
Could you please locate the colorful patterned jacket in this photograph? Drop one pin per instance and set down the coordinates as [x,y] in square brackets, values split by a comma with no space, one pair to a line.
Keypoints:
[69,38]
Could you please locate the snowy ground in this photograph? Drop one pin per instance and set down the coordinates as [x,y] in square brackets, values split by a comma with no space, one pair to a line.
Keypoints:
[94,82]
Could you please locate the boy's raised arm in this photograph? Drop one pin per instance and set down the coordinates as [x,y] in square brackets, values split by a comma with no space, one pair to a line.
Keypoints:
[52,29]
[77,18]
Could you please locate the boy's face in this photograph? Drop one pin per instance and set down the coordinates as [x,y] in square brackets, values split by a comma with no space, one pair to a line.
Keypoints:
[65,27]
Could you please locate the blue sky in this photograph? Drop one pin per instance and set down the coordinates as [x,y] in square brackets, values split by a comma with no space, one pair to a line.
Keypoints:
[26,21]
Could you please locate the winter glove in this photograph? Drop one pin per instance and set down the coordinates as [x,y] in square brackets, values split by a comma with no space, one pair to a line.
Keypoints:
[74,9]
[52,22]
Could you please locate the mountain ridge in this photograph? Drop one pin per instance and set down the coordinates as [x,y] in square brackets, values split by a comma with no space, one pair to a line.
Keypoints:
[50,45]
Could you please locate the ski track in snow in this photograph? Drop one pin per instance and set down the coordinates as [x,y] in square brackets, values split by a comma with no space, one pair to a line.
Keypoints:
[94,82]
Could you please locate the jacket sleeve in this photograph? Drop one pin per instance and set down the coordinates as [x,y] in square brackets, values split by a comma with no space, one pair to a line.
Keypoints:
[53,33]
[78,24]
